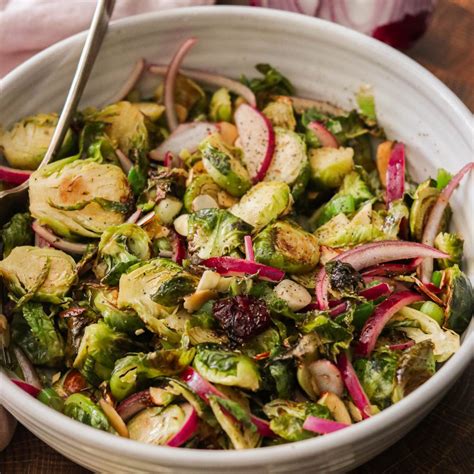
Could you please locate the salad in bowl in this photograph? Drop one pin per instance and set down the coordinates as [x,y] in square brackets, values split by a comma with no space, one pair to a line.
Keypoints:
[224,264]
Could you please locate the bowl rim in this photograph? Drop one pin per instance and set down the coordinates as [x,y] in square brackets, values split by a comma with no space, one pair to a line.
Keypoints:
[87,436]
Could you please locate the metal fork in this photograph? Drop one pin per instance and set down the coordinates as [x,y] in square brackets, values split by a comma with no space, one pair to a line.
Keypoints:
[13,200]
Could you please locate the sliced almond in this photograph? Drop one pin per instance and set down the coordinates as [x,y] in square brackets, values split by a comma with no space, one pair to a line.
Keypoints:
[336,406]
[356,414]
[181,224]
[115,419]
[209,281]
[204,201]
[228,132]
[196,300]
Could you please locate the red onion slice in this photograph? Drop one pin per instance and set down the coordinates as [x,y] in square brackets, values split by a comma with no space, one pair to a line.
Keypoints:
[338,309]
[134,404]
[249,254]
[393,268]
[14,176]
[395,178]
[27,368]
[179,248]
[401,346]
[372,254]
[55,241]
[395,284]
[212,79]
[325,137]
[130,82]
[435,217]
[203,388]
[229,266]
[353,385]
[377,321]
[125,162]
[375,292]
[257,140]
[187,136]
[188,428]
[26,387]
[301,104]
[322,426]
[134,217]
[170,82]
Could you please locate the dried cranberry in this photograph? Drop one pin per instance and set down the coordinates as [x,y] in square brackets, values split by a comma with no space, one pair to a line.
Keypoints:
[241,317]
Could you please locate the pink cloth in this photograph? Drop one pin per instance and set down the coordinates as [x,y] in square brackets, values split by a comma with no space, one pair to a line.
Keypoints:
[28,26]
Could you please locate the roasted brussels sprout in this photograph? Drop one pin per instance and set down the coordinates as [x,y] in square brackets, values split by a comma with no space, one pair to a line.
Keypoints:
[287,417]
[452,244]
[223,164]
[377,376]
[353,192]
[157,425]
[41,274]
[329,166]
[204,185]
[126,126]
[286,245]
[280,113]
[263,203]
[415,367]
[425,196]
[227,368]
[35,333]
[133,371]
[122,320]
[120,247]
[423,327]
[154,289]
[16,232]
[100,347]
[459,301]
[81,408]
[220,107]
[79,198]
[235,421]
[25,144]
[290,163]
[215,232]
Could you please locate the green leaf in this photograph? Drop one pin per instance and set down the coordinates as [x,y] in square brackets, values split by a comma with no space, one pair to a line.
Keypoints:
[16,232]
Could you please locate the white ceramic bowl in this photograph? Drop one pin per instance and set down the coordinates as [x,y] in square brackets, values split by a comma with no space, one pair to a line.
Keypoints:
[324,61]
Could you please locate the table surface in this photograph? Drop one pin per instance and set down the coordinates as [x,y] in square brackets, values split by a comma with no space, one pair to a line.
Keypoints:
[444,441]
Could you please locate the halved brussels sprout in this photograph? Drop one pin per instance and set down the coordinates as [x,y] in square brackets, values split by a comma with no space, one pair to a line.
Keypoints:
[41,274]
[353,192]
[215,232]
[452,244]
[220,108]
[150,109]
[280,113]
[460,300]
[329,166]
[415,367]
[134,371]
[426,195]
[154,289]
[236,423]
[286,245]
[227,368]
[263,203]
[223,164]
[25,144]
[35,333]
[290,163]
[81,198]
[81,408]
[122,320]
[287,418]
[120,247]
[100,347]
[16,232]
[204,185]
[126,125]
[377,376]
[157,425]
